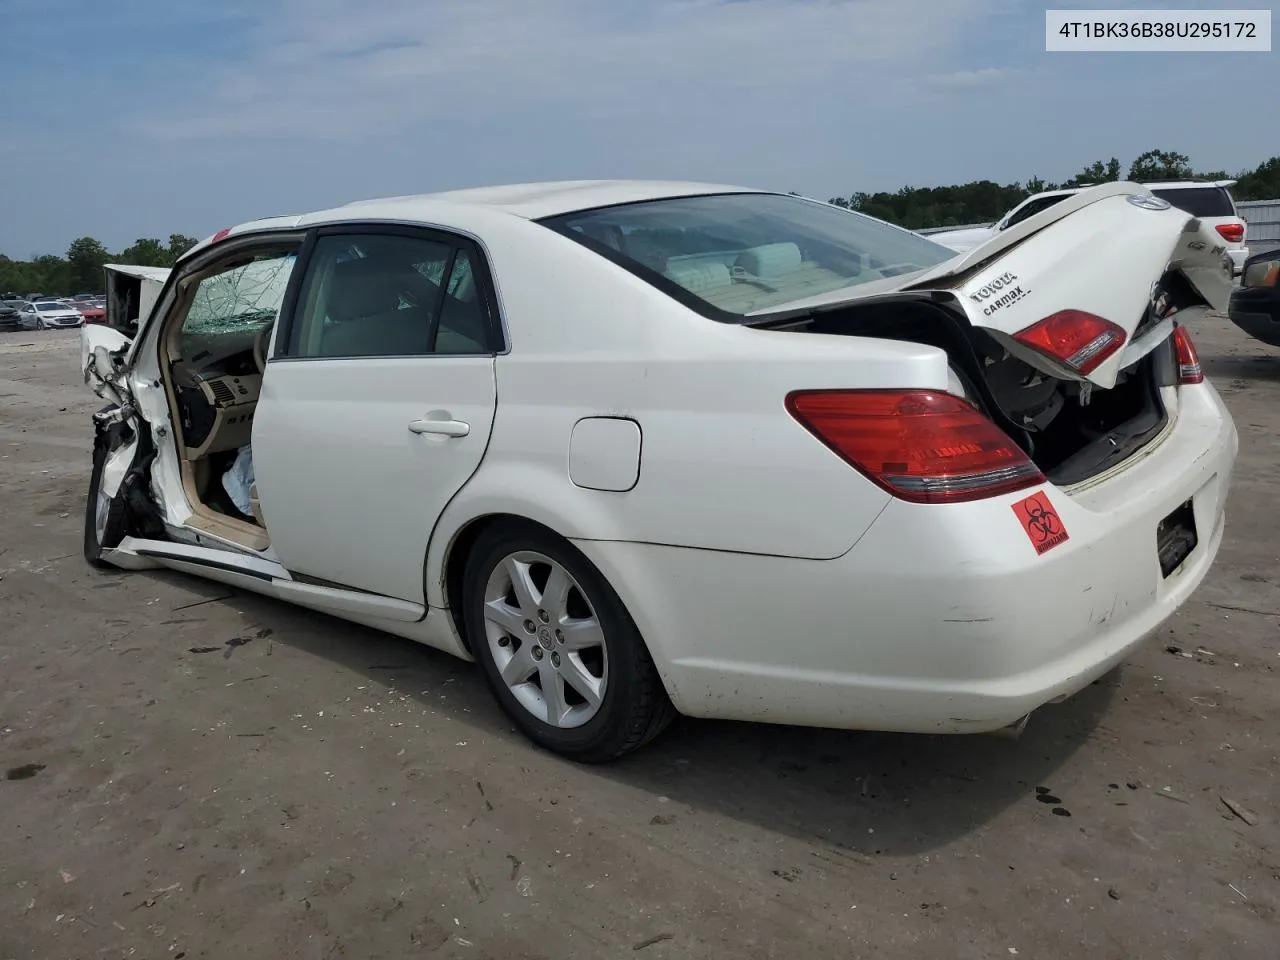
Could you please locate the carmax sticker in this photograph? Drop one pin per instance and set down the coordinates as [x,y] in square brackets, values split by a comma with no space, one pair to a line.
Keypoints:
[1041,522]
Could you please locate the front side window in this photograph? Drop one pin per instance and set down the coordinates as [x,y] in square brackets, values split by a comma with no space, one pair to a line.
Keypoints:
[372,295]
[243,298]
[731,255]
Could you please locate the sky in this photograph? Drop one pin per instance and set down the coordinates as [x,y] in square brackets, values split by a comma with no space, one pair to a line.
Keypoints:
[138,118]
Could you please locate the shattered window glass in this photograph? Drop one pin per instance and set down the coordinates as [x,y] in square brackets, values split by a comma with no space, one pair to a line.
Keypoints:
[241,298]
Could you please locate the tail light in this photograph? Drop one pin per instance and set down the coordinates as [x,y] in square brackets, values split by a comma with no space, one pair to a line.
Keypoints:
[1189,369]
[922,446]
[1074,338]
[1231,232]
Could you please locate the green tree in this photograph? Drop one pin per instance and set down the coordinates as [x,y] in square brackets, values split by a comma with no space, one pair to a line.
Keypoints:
[1260,183]
[146,252]
[1098,172]
[85,258]
[178,245]
[50,274]
[1161,165]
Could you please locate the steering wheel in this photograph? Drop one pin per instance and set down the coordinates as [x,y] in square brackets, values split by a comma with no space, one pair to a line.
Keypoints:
[260,343]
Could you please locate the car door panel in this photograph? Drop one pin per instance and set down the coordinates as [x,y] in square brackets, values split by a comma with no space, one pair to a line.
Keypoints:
[349,489]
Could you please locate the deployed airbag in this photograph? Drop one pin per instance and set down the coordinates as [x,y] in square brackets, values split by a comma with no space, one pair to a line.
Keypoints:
[238,479]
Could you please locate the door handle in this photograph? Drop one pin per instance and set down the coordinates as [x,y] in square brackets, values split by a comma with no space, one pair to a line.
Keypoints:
[442,428]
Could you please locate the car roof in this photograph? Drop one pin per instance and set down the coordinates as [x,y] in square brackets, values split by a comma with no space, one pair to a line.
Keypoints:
[463,209]
[533,201]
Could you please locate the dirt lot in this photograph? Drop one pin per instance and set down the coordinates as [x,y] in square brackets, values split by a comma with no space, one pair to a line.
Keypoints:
[193,772]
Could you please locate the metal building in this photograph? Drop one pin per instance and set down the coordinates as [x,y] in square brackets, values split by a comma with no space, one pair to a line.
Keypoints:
[1262,217]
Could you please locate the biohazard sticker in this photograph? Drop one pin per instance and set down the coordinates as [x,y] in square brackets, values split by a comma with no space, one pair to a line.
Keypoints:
[1041,522]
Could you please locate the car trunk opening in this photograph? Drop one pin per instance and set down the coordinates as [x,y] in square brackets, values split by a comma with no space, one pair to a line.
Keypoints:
[1071,429]
[1060,328]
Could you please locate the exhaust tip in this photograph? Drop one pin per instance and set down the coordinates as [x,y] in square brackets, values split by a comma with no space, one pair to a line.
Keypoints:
[1014,730]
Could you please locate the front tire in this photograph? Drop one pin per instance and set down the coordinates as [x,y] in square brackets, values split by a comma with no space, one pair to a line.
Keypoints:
[557,647]
[105,522]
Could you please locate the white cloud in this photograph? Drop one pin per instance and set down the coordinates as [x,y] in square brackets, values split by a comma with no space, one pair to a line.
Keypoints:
[969,79]
[332,69]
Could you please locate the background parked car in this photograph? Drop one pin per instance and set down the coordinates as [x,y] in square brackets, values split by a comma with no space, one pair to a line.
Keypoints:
[92,311]
[1208,200]
[9,317]
[1255,307]
[50,314]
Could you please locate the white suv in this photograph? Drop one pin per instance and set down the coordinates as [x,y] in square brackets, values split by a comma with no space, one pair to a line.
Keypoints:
[1208,200]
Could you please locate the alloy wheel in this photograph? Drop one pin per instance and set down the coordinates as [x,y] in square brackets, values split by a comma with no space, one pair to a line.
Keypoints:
[546,639]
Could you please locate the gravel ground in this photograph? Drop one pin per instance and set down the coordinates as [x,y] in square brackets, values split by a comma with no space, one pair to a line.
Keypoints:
[187,771]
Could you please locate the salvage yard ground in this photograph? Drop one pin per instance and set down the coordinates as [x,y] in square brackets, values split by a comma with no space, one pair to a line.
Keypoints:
[188,771]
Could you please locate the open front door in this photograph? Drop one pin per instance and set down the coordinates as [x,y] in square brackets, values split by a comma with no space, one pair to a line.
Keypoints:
[376,406]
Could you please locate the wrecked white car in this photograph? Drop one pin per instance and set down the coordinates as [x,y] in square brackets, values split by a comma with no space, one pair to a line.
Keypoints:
[645,448]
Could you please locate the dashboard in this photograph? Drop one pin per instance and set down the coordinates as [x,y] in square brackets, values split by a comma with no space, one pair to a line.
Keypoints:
[217,384]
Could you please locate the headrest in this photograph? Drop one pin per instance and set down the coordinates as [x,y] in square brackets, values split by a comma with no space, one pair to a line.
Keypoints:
[701,277]
[771,260]
[364,287]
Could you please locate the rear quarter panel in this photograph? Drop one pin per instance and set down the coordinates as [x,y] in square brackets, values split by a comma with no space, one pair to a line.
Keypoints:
[723,466]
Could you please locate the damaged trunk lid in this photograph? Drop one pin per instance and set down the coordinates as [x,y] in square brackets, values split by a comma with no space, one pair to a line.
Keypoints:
[1058,329]
[1092,265]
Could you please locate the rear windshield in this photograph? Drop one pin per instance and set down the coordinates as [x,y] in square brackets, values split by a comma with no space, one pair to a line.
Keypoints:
[1200,201]
[729,255]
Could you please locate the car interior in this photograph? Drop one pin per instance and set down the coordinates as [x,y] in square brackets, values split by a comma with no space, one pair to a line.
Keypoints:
[374,297]
[713,249]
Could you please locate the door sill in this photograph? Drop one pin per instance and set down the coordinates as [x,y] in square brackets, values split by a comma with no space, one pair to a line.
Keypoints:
[264,576]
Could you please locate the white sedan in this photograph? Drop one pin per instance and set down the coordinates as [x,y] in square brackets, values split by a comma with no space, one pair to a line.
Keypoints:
[646,448]
[49,315]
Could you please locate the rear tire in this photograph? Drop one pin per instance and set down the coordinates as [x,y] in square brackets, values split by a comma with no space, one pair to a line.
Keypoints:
[557,647]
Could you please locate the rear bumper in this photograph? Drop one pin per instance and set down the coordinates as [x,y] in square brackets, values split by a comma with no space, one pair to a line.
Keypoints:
[940,619]
[1238,257]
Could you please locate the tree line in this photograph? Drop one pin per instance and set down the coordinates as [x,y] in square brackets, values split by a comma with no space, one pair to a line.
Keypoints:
[981,201]
[80,271]
[984,201]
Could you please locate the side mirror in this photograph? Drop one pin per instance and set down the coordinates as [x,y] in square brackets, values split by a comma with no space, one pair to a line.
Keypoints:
[1255,304]
[1262,272]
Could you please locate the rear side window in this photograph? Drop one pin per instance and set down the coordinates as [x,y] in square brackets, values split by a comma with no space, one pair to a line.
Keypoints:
[1200,201]
[1033,207]
[372,295]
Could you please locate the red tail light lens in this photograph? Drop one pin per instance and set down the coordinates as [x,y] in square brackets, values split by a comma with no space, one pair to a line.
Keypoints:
[1077,339]
[1189,370]
[922,446]
[1231,232]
